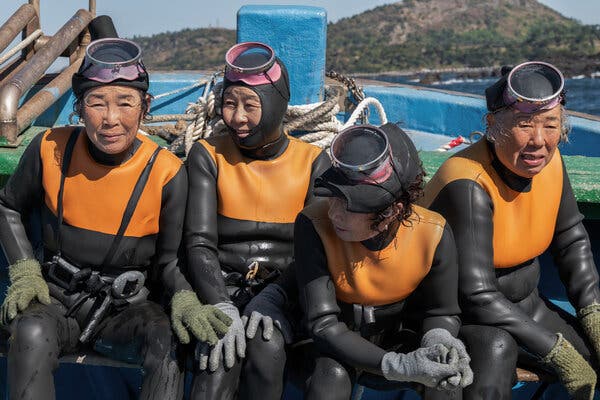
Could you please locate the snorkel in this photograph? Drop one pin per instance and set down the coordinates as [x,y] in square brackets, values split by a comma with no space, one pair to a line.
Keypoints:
[255,66]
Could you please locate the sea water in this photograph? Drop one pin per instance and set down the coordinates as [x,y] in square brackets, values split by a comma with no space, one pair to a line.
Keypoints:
[583,93]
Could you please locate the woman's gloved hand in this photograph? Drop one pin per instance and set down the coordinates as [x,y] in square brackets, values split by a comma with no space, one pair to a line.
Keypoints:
[589,317]
[234,342]
[465,375]
[26,284]
[206,322]
[573,371]
[426,365]
[267,308]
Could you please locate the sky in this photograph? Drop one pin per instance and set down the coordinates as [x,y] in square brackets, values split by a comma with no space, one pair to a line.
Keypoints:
[147,17]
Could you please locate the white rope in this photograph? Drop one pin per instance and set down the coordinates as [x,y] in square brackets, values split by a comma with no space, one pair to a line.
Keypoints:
[21,45]
[318,121]
[368,101]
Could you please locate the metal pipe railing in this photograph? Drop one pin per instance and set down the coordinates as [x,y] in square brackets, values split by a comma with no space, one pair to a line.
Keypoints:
[20,46]
[11,91]
[15,24]
[43,99]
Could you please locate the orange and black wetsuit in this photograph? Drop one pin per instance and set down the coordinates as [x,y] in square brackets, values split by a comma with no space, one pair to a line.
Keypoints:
[353,292]
[96,191]
[502,223]
[241,208]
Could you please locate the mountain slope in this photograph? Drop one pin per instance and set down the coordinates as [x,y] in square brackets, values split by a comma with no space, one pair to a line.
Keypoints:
[416,34]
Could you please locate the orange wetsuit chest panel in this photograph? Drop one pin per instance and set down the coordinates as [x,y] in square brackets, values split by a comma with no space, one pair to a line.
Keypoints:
[95,195]
[362,276]
[523,221]
[261,190]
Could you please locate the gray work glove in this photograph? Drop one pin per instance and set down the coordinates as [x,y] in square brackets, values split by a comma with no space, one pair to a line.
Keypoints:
[205,322]
[230,345]
[267,308]
[26,284]
[426,365]
[573,371]
[465,375]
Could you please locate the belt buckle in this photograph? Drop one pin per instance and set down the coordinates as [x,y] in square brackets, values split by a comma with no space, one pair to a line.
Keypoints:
[252,271]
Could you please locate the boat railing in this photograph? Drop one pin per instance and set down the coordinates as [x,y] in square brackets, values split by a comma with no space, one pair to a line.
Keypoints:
[38,52]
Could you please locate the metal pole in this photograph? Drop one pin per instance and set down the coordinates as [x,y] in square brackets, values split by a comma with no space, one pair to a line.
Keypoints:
[11,92]
[15,24]
[43,99]
[24,43]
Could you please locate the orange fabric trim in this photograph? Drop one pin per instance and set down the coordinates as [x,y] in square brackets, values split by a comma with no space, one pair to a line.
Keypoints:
[95,195]
[362,276]
[261,190]
[523,222]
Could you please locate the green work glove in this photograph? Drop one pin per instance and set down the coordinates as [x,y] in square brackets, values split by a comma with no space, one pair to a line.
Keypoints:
[26,284]
[589,318]
[206,322]
[573,371]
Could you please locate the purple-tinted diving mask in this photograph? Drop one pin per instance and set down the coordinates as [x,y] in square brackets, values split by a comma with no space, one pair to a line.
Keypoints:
[534,86]
[107,60]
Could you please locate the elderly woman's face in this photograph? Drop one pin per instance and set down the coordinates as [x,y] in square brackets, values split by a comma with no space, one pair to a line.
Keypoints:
[112,116]
[355,227]
[241,110]
[525,143]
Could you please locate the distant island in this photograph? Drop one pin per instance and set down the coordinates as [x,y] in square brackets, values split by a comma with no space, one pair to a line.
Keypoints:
[413,35]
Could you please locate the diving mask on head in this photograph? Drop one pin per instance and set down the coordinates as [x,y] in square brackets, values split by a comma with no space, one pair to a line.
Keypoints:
[362,154]
[252,63]
[371,167]
[111,61]
[529,87]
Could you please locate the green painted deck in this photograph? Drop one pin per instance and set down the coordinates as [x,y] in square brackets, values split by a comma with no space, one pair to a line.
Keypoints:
[584,172]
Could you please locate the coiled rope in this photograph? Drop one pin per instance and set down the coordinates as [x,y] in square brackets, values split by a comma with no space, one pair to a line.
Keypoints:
[314,123]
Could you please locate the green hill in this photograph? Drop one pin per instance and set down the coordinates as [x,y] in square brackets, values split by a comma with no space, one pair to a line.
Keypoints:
[416,34]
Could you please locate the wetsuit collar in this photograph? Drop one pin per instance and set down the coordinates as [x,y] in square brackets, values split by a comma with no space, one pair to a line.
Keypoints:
[112,159]
[512,180]
[382,240]
[268,151]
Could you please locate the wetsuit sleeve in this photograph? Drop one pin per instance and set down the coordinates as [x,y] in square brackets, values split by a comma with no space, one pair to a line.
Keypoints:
[200,228]
[319,304]
[319,165]
[572,251]
[23,192]
[436,298]
[469,211]
[172,212]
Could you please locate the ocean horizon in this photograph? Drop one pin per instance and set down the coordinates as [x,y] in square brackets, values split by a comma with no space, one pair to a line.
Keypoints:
[583,93]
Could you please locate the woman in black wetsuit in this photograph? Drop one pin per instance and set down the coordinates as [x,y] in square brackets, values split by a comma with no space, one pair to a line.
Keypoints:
[112,207]
[508,199]
[377,274]
[246,188]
